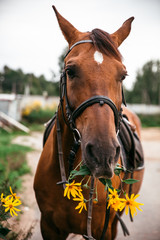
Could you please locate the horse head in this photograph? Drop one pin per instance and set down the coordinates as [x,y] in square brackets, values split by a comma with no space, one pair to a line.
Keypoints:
[94,69]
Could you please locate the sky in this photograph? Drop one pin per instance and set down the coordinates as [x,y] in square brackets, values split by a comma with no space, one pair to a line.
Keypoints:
[30,37]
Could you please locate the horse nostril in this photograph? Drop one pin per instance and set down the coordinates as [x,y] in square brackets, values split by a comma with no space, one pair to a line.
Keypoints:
[110,160]
[91,153]
[89,150]
[117,153]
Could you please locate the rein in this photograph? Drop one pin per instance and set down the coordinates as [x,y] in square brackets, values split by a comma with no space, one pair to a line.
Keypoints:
[69,119]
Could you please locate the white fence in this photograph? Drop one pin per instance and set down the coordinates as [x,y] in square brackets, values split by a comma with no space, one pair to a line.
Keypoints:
[12,105]
[27,100]
[137,108]
[144,109]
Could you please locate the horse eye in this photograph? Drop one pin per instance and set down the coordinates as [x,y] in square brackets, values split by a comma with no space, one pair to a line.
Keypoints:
[70,73]
[123,77]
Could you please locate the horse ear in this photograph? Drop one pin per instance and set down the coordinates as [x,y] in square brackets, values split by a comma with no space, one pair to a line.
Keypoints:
[122,33]
[68,30]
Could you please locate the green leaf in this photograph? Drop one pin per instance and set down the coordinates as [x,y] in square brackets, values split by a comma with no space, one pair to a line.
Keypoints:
[73,172]
[130,181]
[118,190]
[118,168]
[3,232]
[83,171]
[109,183]
[106,182]
[85,185]
[102,180]
[2,237]
[117,172]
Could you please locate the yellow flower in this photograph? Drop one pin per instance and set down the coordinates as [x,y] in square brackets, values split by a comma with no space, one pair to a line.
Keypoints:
[26,111]
[116,204]
[13,194]
[131,204]
[3,200]
[73,189]
[10,205]
[113,196]
[81,204]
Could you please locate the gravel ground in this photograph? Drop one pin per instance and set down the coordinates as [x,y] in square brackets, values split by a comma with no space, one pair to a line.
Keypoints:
[146,225]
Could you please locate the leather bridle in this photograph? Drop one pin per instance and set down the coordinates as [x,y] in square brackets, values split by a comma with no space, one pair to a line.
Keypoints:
[70,117]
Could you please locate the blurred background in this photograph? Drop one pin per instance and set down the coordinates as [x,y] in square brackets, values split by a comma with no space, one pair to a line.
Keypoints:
[31,59]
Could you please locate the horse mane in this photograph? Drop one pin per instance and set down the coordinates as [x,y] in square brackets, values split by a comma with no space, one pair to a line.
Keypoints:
[103,42]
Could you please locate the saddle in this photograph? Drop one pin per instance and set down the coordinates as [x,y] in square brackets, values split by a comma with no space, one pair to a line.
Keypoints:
[49,125]
[131,147]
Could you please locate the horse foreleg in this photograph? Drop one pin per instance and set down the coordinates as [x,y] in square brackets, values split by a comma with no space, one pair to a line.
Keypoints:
[50,231]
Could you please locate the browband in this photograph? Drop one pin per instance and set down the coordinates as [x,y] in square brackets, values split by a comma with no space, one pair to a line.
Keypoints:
[77,43]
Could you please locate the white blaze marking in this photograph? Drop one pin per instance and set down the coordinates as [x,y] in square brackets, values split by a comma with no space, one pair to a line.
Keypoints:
[98,57]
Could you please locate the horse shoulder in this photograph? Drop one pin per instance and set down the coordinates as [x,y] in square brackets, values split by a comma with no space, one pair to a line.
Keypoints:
[46,166]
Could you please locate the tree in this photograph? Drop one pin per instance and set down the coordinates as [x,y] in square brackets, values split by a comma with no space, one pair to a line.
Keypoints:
[147,85]
[61,59]
[16,81]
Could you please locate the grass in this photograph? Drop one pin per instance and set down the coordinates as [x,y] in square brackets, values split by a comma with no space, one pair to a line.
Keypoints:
[13,165]
[34,127]
[12,161]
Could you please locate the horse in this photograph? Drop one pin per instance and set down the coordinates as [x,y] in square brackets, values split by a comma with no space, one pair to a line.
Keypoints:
[90,108]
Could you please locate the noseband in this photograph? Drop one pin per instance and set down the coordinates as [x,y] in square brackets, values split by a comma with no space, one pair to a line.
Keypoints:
[72,115]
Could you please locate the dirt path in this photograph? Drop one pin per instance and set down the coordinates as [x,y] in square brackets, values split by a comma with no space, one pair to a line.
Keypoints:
[146,225]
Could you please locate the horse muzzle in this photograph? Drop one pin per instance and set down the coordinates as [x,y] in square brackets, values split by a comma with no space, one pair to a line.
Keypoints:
[101,157]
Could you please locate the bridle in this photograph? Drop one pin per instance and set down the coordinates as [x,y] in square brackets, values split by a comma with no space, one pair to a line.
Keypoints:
[69,117]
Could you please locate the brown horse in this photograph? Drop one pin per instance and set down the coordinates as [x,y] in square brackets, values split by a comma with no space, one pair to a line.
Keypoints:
[93,70]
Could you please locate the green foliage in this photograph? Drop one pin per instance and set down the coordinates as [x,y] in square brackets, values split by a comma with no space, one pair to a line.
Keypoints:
[3,232]
[12,162]
[147,85]
[106,182]
[83,171]
[39,115]
[130,181]
[34,127]
[61,59]
[150,120]
[12,165]
[16,81]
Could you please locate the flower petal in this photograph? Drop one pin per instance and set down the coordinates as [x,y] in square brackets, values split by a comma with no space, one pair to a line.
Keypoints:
[16,209]
[14,212]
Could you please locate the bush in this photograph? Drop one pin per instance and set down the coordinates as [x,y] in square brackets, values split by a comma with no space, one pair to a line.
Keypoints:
[12,162]
[39,116]
[150,120]
[36,114]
